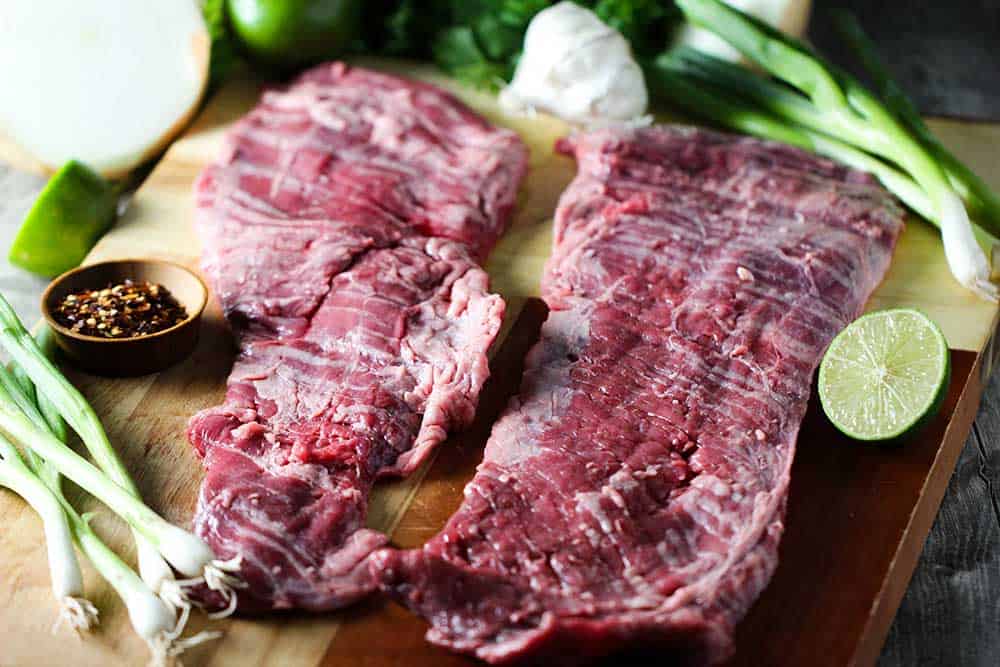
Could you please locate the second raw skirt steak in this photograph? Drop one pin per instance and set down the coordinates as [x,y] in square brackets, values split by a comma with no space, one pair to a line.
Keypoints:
[635,491]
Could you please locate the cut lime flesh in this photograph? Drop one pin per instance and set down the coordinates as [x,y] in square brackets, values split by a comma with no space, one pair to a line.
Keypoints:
[885,375]
[72,212]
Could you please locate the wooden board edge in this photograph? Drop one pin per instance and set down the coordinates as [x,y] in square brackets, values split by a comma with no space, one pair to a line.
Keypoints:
[897,578]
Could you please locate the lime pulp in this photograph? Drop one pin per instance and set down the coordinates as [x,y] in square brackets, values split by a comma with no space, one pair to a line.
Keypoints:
[885,375]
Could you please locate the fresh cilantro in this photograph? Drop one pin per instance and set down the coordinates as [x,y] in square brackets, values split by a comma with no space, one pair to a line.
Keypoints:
[480,41]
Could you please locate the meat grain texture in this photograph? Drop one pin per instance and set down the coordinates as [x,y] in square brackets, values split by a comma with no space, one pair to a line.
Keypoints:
[634,492]
[341,230]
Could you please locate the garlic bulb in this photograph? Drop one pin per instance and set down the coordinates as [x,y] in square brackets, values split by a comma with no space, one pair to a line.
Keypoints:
[578,68]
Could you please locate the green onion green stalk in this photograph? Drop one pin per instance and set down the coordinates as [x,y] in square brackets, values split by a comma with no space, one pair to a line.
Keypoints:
[983,202]
[155,537]
[57,391]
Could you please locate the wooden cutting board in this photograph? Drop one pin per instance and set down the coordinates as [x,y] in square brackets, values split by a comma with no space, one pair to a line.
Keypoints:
[857,516]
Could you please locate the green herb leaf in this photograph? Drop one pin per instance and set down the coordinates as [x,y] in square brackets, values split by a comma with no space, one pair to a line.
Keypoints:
[480,41]
[644,23]
[457,52]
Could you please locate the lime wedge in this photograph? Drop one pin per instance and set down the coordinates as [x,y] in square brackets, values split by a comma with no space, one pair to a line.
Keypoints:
[885,375]
[72,212]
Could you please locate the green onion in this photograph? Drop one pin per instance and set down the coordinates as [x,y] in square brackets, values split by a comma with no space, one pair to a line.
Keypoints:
[64,569]
[183,550]
[833,104]
[157,573]
[152,618]
[74,408]
[983,202]
[47,346]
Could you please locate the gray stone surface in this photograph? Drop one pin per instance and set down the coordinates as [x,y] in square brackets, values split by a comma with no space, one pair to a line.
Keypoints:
[17,192]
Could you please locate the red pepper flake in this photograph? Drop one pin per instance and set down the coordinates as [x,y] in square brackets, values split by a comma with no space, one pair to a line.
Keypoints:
[126,310]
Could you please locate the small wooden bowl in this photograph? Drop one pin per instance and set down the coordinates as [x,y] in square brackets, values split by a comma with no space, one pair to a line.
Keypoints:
[140,355]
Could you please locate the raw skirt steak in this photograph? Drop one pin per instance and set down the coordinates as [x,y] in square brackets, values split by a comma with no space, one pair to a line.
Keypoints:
[634,492]
[341,230]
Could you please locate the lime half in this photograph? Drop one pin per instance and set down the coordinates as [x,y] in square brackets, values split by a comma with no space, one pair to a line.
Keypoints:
[885,375]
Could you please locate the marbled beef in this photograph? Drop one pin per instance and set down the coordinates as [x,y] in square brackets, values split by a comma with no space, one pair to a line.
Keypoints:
[341,229]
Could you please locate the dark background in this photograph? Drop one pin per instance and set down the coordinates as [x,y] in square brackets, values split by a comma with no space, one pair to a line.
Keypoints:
[946,56]
[944,53]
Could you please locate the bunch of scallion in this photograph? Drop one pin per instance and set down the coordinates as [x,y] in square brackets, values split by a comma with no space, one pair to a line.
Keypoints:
[802,100]
[36,405]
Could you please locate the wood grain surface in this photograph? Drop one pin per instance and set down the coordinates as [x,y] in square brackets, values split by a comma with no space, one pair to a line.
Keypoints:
[886,497]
